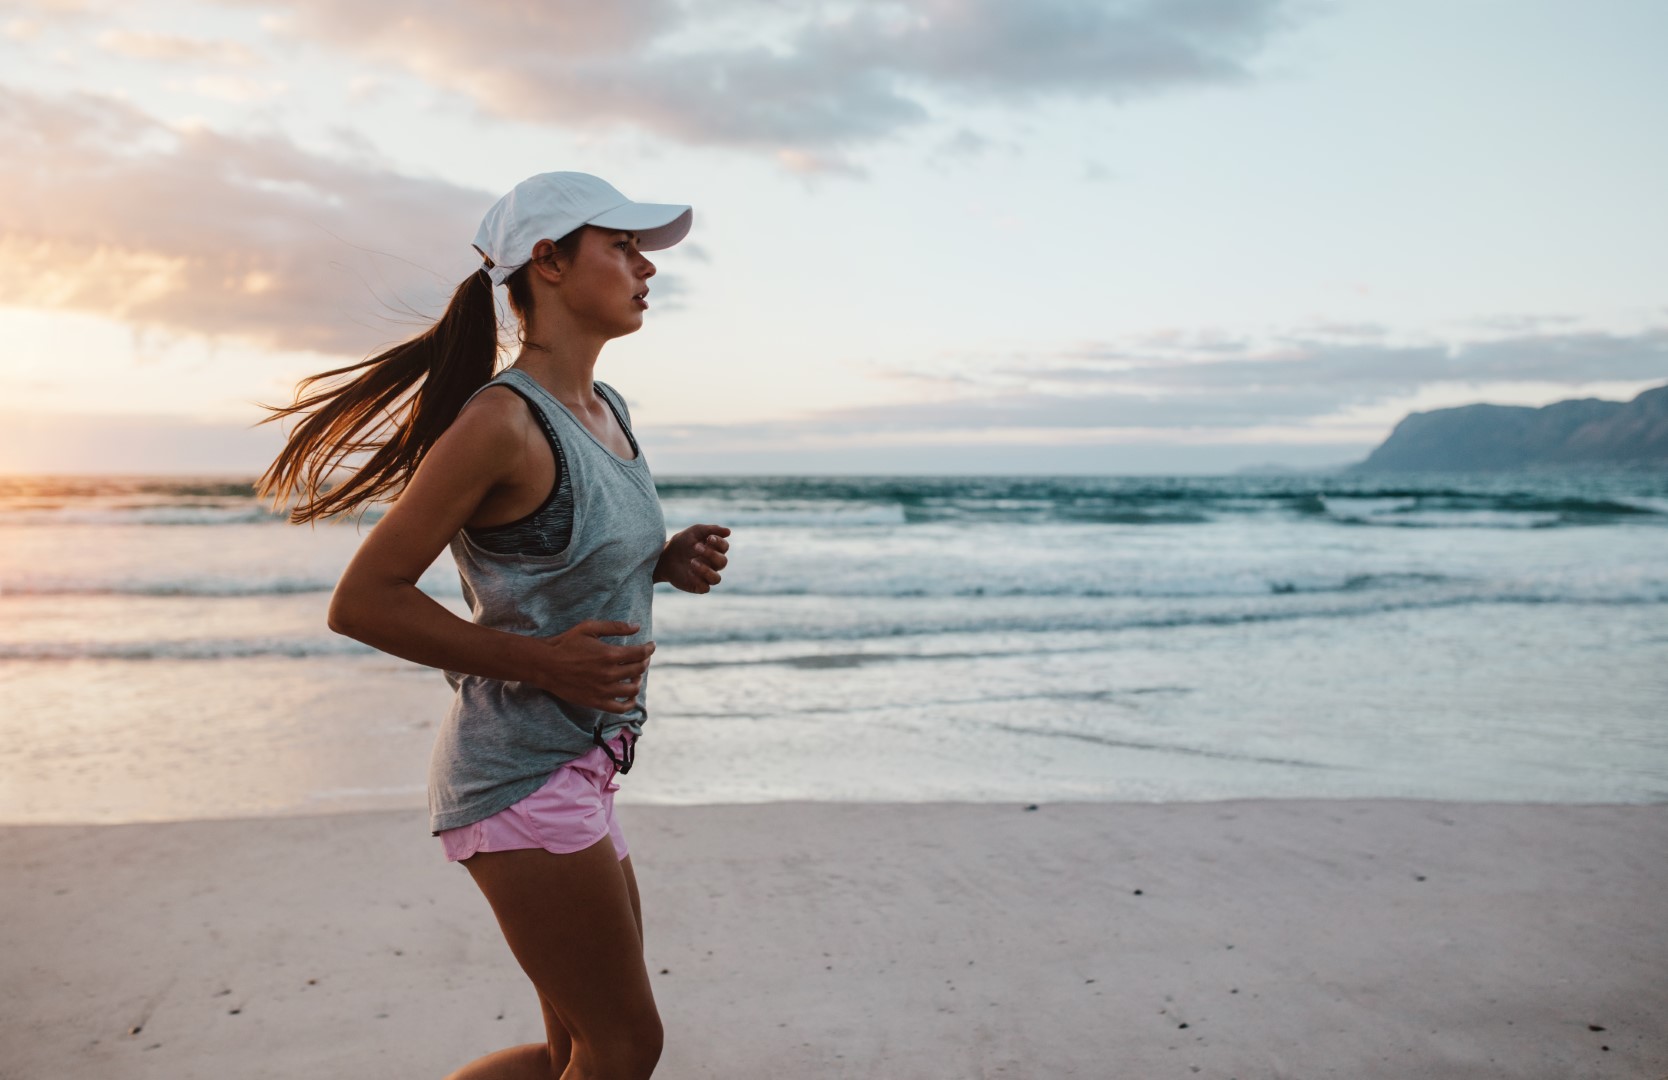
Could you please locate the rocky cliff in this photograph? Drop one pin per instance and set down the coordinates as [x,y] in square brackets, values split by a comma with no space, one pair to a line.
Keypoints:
[1472,438]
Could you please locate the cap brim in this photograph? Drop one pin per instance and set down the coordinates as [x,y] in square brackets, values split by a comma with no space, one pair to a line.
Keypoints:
[657,225]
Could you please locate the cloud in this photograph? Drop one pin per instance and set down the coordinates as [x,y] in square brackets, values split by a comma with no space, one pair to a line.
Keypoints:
[1169,382]
[1089,409]
[1003,51]
[809,164]
[174,49]
[33,442]
[1095,172]
[810,86]
[29,19]
[367,88]
[966,145]
[233,88]
[56,10]
[107,210]
[1372,371]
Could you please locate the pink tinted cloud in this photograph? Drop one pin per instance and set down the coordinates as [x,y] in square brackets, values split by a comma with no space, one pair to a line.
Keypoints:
[827,81]
[172,48]
[104,209]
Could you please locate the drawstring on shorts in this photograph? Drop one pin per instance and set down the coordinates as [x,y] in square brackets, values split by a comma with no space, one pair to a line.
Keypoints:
[628,749]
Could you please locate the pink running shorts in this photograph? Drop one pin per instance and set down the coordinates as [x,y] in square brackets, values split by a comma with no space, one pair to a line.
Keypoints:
[573,810]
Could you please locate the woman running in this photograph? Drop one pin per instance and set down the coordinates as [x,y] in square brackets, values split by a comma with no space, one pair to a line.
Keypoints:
[533,479]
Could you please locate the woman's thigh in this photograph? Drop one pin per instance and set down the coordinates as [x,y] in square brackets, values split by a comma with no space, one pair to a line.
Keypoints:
[571,922]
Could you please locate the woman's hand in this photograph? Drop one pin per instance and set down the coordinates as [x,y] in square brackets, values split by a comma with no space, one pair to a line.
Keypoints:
[583,669]
[692,559]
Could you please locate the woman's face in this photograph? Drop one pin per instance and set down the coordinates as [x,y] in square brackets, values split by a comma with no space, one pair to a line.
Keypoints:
[607,283]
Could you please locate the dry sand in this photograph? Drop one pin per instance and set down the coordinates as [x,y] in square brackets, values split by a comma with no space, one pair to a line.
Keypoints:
[1240,939]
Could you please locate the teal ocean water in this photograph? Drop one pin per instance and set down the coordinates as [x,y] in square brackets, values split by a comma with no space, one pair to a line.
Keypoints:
[163,652]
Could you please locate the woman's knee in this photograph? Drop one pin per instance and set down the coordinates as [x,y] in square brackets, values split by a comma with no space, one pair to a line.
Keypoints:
[628,1052]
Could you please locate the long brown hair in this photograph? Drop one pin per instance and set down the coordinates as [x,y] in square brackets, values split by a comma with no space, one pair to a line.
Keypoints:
[399,404]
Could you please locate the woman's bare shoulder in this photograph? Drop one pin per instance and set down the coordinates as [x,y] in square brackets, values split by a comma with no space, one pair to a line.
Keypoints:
[496,415]
[486,440]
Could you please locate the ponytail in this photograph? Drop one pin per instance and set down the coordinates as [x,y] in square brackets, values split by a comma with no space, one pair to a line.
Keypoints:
[398,406]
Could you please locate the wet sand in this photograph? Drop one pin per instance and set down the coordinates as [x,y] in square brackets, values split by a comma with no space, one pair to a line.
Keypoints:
[1359,939]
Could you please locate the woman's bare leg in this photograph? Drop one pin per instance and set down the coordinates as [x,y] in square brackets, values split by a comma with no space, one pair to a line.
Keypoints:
[574,924]
[558,1039]
[636,901]
[529,1061]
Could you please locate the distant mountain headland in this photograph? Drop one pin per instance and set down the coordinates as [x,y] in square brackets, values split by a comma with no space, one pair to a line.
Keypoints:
[1566,434]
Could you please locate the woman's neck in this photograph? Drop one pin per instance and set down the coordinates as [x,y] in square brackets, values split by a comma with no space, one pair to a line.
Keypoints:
[567,370]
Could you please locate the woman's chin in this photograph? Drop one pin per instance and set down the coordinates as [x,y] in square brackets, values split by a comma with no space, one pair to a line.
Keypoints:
[629,325]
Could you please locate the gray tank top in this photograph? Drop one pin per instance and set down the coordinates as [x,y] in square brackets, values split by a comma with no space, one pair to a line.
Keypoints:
[501,740]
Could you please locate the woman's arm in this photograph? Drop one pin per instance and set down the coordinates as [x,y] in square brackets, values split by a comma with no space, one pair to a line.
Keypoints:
[377,600]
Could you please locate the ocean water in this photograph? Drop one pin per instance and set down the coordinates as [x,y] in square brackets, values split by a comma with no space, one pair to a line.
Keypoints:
[163,653]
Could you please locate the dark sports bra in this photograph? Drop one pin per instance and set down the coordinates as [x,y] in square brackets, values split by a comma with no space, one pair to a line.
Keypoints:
[548,529]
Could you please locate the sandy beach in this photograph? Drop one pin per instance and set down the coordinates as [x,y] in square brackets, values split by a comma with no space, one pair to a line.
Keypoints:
[1251,939]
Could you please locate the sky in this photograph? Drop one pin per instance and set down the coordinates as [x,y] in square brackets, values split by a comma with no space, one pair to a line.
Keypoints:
[940,236]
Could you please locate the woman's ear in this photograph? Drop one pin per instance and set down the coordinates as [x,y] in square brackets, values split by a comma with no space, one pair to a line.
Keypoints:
[546,261]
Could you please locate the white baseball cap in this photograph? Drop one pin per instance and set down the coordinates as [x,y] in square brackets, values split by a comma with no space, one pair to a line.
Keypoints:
[551,205]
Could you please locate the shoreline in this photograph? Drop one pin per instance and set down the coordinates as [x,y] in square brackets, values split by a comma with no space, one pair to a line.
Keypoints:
[1368,938]
[417,813]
